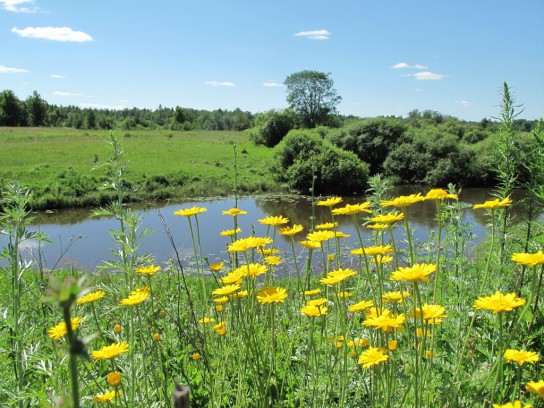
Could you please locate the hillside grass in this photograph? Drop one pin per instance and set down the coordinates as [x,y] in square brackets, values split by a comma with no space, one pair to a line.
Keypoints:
[57,164]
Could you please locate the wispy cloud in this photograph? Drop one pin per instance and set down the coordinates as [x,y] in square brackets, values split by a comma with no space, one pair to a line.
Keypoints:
[314,34]
[273,84]
[19,6]
[217,83]
[428,76]
[11,70]
[62,93]
[56,76]
[63,34]
[402,65]
[464,104]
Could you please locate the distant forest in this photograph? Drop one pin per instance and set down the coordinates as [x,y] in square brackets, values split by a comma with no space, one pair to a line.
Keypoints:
[35,111]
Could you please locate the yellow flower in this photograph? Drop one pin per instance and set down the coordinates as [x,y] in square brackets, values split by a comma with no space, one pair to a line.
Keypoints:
[310,244]
[188,212]
[240,245]
[431,314]
[111,351]
[320,236]
[107,397]
[388,218]
[314,311]
[220,328]
[377,226]
[234,211]
[233,277]
[345,294]
[381,259]
[117,328]
[114,378]
[196,356]
[239,295]
[311,292]
[373,250]
[252,270]
[331,257]
[440,194]
[271,295]
[360,306]
[521,356]
[156,337]
[393,297]
[515,404]
[60,330]
[226,290]
[429,354]
[337,276]
[136,297]
[221,300]
[206,320]
[329,202]
[290,231]
[353,209]
[529,259]
[259,242]
[358,343]
[270,251]
[414,273]
[494,204]
[327,225]
[340,234]
[317,302]
[216,267]
[536,387]
[272,260]
[148,270]
[372,356]
[274,220]
[91,297]
[499,302]
[386,321]
[230,233]
[392,345]
[219,308]
[403,201]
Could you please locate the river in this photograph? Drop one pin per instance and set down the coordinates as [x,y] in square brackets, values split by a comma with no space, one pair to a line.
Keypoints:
[84,242]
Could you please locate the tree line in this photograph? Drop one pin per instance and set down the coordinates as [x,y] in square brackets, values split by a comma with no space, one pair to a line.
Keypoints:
[36,111]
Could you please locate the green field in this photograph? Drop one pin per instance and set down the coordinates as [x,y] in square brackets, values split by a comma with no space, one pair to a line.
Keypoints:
[57,163]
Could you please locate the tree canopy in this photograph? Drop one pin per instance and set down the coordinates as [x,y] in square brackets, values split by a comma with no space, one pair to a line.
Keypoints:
[312,95]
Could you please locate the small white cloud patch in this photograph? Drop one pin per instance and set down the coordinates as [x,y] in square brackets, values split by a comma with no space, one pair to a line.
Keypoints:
[428,76]
[63,34]
[403,65]
[17,6]
[11,70]
[56,76]
[217,83]
[314,34]
[273,84]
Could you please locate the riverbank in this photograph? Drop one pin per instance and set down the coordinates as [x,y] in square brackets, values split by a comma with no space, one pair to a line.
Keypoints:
[62,167]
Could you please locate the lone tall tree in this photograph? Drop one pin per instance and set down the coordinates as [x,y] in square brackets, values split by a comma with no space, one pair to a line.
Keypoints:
[312,96]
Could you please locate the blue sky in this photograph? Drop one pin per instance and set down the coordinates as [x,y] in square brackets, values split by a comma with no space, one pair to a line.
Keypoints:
[386,57]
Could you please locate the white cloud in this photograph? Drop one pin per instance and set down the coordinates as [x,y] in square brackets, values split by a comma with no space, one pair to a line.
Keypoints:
[216,83]
[465,104]
[17,6]
[62,93]
[11,70]
[56,76]
[314,34]
[428,76]
[273,84]
[64,34]
[402,65]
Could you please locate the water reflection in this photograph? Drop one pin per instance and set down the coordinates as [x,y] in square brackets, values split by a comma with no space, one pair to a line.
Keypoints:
[85,242]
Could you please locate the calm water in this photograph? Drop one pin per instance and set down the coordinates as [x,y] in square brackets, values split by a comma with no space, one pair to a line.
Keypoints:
[85,242]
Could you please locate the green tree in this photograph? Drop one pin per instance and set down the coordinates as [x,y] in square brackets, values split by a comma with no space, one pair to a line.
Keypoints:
[312,95]
[11,109]
[37,110]
[272,126]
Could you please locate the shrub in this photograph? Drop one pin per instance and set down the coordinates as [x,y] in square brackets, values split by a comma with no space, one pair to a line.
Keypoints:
[272,126]
[303,156]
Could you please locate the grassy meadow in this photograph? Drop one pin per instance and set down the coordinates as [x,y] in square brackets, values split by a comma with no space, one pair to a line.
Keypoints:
[56,164]
[393,323]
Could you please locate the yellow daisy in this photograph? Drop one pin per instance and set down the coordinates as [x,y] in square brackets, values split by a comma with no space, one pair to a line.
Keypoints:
[274,220]
[529,259]
[91,297]
[403,201]
[329,202]
[494,204]
[521,356]
[290,231]
[414,273]
[111,351]
[60,330]
[373,356]
[499,302]
[234,211]
[148,270]
[188,212]
[271,295]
